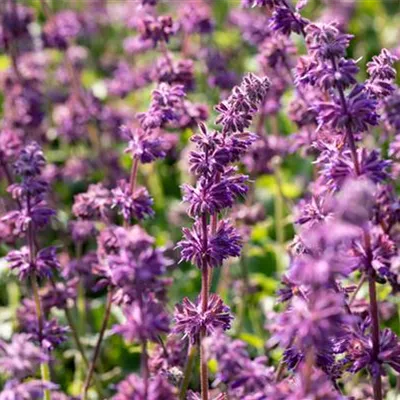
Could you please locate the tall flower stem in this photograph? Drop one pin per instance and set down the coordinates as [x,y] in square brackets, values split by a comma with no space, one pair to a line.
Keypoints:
[373,304]
[187,373]
[44,367]
[204,306]
[98,345]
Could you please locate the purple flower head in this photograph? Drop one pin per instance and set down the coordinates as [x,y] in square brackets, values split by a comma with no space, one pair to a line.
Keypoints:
[359,114]
[93,204]
[31,389]
[166,100]
[325,41]
[313,212]
[134,388]
[144,145]
[190,319]
[340,167]
[30,161]
[274,52]
[211,197]
[59,294]
[236,113]
[357,347]
[136,205]
[51,336]
[381,75]
[143,322]
[381,66]
[222,244]
[42,266]
[21,357]
[157,29]
[286,21]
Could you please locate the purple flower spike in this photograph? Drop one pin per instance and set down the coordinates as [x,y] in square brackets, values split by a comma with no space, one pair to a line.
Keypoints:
[190,320]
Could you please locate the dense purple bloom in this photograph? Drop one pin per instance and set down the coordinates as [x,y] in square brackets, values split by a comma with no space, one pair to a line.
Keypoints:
[32,389]
[236,113]
[286,21]
[10,145]
[381,74]
[62,28]
[21,357]
[42,266]
[144,321]
[391,114]
[136,205]
[190,319]
[196,18]
[14,23]
[30,161]
[325,41]
[360,112]
[133,388]
[340,167]
[143,145]
[93,204]
[211,197]
[222,244]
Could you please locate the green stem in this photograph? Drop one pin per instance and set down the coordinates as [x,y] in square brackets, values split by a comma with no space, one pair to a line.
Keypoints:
[98,345]
[280,231]
[44,366]
[187,373]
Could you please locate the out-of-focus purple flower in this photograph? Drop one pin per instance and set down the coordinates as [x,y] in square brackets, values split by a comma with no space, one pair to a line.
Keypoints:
[173,72]
[134,388]
[391,111]
[196,18]
[14,23]
[82,230]
[190,319]
[93,204]
[51,335]
[143,145]
[157,29]
[222,244]
[10,145]
[42,266]
[21,357]
[312,323]
[59,294]
[135,45]
[136,205]
[62,28]
[32,389]
[143,322]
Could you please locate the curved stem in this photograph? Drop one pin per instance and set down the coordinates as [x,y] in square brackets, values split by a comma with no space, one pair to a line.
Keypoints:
[98,345]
